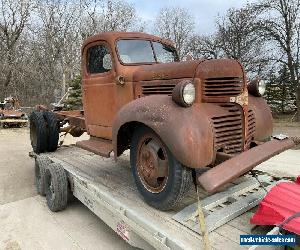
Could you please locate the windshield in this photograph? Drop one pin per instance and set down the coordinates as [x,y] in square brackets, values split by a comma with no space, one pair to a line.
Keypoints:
[135,51]
[140,51]
[164,53]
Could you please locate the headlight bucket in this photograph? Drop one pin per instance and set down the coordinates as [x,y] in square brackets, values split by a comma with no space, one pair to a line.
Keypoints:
[184,93]
[257,87]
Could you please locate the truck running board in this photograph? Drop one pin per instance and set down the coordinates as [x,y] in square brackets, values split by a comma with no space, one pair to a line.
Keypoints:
[97,146]
[224,206]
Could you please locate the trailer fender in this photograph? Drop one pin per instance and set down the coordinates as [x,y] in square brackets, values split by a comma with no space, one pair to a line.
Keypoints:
[187,132]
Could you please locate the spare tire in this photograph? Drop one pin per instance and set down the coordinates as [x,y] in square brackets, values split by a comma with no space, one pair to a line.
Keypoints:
[53,131]
[38,132]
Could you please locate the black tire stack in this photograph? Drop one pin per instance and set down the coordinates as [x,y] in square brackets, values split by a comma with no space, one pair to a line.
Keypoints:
[44,131]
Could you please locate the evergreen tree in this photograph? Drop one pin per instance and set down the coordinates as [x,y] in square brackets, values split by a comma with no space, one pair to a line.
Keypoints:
[74,99]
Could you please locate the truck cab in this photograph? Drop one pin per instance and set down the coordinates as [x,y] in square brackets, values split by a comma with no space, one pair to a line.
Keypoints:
[109,61]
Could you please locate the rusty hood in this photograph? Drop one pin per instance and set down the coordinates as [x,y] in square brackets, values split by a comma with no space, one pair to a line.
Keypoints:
[165,71]
[189,69]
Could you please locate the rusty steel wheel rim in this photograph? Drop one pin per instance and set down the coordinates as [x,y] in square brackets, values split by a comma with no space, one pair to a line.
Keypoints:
[152,163]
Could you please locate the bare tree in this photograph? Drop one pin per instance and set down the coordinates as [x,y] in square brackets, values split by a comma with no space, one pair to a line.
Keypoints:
[175,24]
[14,16]
[280,22]
[239,39]
[205,47]
[108,15]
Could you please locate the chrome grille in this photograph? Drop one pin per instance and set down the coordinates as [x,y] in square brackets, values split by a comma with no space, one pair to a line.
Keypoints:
[157,89]
[229,130]
[251,128]
[222,86]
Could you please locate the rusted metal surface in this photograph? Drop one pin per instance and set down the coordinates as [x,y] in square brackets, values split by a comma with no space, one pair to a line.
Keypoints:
[187,132]
[152,163]
[263,118]
[11,113]
[97,145]
[215,178]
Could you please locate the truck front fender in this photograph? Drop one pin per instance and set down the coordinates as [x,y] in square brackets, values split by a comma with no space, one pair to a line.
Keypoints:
[187,132]
[263,118]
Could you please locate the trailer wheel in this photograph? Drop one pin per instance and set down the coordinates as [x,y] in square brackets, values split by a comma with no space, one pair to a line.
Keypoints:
[38,132]
[53,131]
[159,177]
[41,163]
[56,187]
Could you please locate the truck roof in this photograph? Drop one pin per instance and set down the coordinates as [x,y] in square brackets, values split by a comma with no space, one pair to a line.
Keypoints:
[111,37]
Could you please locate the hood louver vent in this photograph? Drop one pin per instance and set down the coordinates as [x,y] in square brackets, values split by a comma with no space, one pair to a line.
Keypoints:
[222,87]
[157,89]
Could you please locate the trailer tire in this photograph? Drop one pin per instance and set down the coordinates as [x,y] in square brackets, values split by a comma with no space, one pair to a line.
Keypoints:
[179,177]
[56,187]
[38,132]
[41,163]
[53,131]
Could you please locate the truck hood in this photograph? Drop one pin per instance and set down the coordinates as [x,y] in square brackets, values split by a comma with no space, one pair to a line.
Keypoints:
[165,71]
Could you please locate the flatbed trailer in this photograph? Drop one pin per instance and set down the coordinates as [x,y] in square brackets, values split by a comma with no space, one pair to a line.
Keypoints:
[107,188]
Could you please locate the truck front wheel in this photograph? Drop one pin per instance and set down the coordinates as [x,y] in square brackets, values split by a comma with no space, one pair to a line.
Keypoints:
[159,177]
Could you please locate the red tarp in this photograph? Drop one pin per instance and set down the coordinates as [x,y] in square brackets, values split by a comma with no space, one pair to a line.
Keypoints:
[280,203]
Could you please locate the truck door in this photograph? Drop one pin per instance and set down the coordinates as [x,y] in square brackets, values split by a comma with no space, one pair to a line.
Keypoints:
[98,89]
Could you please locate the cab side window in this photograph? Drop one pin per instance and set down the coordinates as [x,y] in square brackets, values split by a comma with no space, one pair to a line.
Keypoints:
[98,59]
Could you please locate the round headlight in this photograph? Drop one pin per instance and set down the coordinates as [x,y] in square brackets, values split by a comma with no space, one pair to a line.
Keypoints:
[257,87]
[188,94]
[261,87]
[184,93]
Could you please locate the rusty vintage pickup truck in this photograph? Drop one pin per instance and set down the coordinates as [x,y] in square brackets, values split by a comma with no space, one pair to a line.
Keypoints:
[181,120]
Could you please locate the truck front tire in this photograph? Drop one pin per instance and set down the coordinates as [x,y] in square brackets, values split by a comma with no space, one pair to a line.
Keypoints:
[159,177]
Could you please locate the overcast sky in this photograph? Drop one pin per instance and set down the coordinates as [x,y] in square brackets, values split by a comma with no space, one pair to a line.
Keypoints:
[204,11]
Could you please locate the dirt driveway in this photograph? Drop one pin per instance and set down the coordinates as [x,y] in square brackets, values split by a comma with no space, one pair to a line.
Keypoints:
[25,220]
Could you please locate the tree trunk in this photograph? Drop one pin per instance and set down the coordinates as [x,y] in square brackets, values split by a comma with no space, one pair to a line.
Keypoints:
[298,104]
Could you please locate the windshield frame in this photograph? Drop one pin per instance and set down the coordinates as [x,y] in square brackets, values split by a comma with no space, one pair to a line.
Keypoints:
[152,47]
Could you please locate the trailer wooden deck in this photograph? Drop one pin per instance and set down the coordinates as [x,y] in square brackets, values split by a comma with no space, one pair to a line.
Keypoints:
[107,188]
